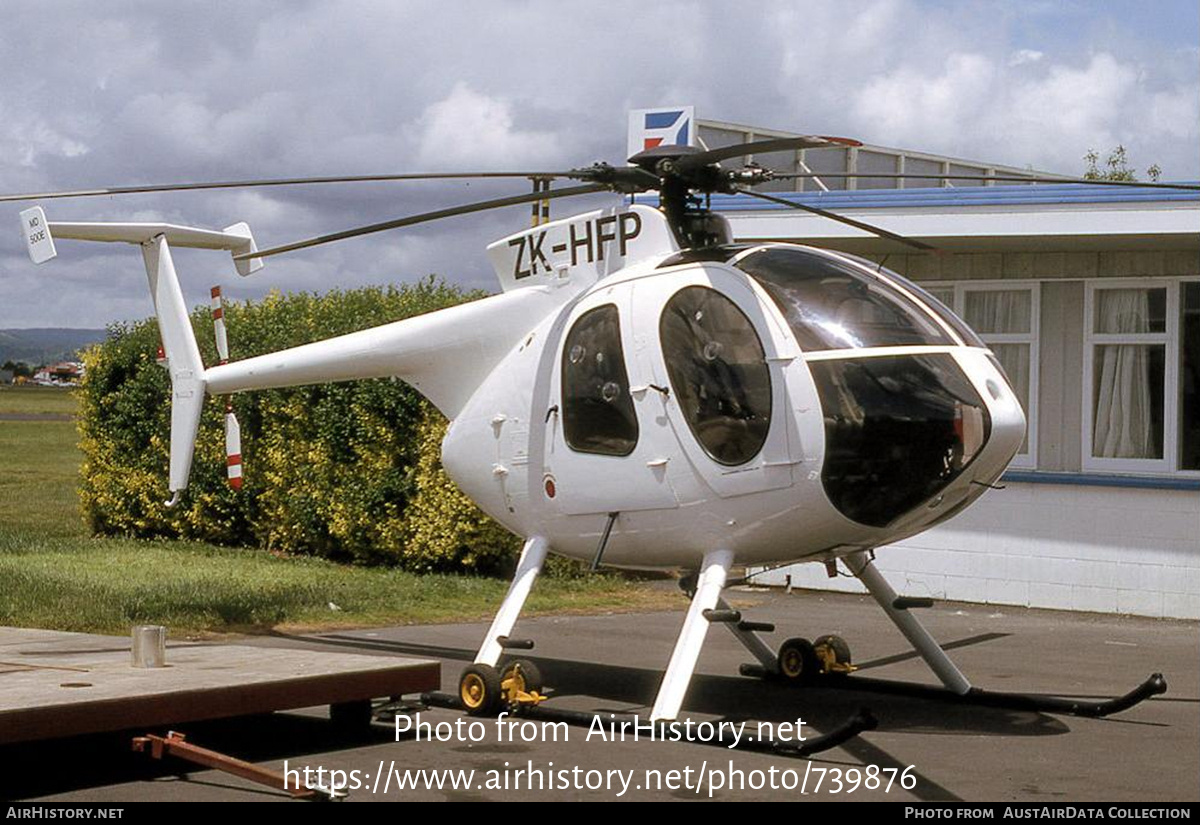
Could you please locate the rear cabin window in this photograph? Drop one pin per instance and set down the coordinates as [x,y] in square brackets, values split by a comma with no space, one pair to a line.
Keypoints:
[717,368]
[598,415]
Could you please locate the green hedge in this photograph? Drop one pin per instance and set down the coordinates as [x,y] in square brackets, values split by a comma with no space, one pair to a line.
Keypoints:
[345,471]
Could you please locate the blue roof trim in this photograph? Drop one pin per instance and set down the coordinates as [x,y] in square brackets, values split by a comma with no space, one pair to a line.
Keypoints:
[1143,482]
[1055,193]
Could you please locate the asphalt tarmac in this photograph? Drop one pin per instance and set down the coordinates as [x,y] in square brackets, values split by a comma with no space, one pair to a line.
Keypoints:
[924,749]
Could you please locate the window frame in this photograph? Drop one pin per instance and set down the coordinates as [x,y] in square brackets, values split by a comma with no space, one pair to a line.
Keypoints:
[1026,460]
[1171,339]
[563,357]
[1178,394]
[693,424]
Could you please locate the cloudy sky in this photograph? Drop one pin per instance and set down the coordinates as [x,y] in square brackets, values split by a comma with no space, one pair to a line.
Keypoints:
[119,93]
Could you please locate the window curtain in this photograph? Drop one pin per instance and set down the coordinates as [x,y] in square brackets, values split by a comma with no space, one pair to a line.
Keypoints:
[1124,418]
[1015,360]
[1005,312]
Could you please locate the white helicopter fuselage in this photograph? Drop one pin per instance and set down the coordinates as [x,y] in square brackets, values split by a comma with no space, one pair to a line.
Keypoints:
[676,496]
[772,402]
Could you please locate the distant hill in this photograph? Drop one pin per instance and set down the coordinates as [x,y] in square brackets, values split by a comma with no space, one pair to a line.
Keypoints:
[42,346]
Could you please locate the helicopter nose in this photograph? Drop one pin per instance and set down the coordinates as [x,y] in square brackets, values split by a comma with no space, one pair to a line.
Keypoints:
[1003,439]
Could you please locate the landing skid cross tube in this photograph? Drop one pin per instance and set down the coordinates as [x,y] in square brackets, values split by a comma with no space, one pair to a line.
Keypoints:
[746,633]
[713,572]
[956,685]
[860,565]
[533,556]
[484,688]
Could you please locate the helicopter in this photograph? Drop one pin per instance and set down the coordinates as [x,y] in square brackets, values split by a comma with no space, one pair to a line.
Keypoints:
[646,393]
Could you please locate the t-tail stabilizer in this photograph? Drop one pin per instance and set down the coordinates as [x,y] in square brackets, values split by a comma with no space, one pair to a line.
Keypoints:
[179,343]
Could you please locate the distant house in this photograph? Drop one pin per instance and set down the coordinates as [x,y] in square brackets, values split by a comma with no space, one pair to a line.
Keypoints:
[64,373]
[6,376]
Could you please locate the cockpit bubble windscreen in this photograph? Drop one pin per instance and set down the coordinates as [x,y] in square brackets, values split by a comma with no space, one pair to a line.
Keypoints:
[832,304]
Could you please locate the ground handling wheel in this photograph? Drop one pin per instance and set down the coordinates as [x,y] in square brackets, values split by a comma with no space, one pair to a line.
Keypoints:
[521,684]
[834,655]
[798,662]
[479,690]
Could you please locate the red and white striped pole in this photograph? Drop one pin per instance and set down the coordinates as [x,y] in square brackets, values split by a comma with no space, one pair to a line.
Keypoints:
[233,431]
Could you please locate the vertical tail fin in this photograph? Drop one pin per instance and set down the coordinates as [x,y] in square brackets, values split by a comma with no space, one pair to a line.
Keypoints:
[183,360]
[178,341]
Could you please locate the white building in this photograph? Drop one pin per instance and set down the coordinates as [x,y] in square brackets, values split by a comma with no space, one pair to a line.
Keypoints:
[1090,296]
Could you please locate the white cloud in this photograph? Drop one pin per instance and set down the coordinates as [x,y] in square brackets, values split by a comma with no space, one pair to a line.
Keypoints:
[1022,56]
[909,105]
[469,130]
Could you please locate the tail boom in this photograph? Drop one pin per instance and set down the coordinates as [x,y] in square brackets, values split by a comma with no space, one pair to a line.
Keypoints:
[445,354]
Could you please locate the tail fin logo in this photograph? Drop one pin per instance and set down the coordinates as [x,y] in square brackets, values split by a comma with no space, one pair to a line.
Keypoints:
[649,128]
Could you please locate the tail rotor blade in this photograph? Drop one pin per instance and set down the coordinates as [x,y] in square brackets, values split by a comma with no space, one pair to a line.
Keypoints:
[233,448]
[218,316]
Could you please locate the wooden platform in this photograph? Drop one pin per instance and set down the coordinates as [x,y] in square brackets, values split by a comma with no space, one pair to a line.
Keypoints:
[55,684]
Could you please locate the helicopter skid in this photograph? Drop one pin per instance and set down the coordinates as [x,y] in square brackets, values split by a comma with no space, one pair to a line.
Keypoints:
[1152,686]
[956,687]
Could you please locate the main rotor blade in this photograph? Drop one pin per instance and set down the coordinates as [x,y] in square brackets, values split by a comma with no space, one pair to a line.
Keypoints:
[425,217]
[761,146]
[1190,187]
[866,227]
[247,184]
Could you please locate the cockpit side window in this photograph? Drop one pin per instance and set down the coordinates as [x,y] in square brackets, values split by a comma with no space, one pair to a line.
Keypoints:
[718,371]
[832,304]
[598,414]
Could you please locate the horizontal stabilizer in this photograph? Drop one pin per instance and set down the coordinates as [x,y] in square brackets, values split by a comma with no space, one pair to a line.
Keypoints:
[40,234]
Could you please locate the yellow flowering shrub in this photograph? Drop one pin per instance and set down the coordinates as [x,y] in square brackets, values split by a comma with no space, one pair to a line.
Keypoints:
[348,471]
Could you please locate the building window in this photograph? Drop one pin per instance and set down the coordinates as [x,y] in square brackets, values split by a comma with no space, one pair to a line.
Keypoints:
[1005,316]
[1142,361]
[1189,379]
[1129,354]
[598,415]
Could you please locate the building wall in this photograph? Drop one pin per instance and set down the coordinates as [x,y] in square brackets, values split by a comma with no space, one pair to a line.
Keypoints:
[1104,549]
[1047,266]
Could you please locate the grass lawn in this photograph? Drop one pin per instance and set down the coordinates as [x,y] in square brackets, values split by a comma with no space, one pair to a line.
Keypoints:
[53,575]
[34,399]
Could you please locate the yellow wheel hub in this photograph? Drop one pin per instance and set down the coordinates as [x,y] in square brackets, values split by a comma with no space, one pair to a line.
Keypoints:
[472,691]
